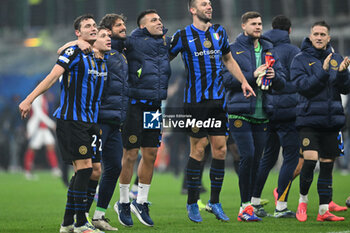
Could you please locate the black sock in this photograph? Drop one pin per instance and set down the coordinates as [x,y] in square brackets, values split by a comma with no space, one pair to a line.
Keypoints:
[80,190]
[236,166]
[68,218]
[217,173]
[324,184]
[306,176]
[136,181]
[193,171]
[201,187]
[91,194]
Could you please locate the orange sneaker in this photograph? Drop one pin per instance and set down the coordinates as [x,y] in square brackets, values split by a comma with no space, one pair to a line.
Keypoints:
[329,217]
[248,215]
[239,217]
[336,208]
[275,195]
[301,212]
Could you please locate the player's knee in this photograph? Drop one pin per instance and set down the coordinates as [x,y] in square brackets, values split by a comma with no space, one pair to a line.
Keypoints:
[198,152]
[220,152]
[96,172]
[130,156]
[150,155]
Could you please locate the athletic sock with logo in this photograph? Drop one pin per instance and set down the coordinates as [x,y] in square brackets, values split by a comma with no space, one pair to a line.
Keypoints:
[324,183]
[80,199]
[217,173]
[142,193]
[193,171]
[91,193]
[68,218]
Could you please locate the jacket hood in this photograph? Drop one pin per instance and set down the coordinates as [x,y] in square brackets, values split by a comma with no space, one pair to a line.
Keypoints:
[140,32]
[277,37]
[248,41]
[307,47]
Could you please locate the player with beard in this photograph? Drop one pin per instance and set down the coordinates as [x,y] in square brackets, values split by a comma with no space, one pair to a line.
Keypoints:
[248,119]
[320,76]
[205,50]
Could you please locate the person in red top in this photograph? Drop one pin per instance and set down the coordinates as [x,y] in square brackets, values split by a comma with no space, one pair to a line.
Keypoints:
[39,135]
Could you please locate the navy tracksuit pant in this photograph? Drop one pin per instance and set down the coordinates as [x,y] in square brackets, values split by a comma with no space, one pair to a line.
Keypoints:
[112,153]
[285,135]
[250,139]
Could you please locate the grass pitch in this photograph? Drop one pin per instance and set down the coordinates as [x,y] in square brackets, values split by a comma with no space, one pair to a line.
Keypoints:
[38,206]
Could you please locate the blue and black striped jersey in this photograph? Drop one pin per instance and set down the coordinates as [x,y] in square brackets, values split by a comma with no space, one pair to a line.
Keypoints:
[202,52]
[81,85]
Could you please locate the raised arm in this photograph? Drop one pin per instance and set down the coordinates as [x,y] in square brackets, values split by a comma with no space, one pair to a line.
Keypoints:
[83,45]
[43,86]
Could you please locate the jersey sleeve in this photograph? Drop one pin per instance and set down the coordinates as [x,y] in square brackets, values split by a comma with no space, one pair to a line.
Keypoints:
[225,43]
[69,57]
[176,44]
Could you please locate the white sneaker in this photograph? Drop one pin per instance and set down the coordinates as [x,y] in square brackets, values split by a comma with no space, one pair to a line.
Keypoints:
[103,224]
[67,229]
[29,176]
[56,172]
[87,228]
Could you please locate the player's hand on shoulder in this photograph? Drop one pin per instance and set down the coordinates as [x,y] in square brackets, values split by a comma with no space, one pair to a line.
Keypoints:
[84,46]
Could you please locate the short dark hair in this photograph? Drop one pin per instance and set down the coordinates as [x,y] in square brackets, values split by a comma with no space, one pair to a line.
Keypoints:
[281,22]
[101,27]
[191,3]
[323,24]
[144,13]
[109,19]
[250,15]
[79,19]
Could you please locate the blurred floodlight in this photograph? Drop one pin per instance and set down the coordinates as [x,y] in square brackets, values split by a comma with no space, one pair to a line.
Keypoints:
[33,42]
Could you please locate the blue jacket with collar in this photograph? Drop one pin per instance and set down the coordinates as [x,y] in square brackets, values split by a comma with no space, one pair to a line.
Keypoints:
[243,52]
[281,105]
[114,99]
[319,102]
[149,65]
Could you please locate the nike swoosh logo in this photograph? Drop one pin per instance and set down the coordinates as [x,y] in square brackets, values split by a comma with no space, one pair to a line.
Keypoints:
[192,40]
[84,56]
[140,211]
[239,52]
[311,63]
[113,53]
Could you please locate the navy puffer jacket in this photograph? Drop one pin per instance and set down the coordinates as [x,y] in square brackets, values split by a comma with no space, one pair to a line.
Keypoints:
[243,52]
[114,99]
[319,102]
[281,105]
[149,65]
